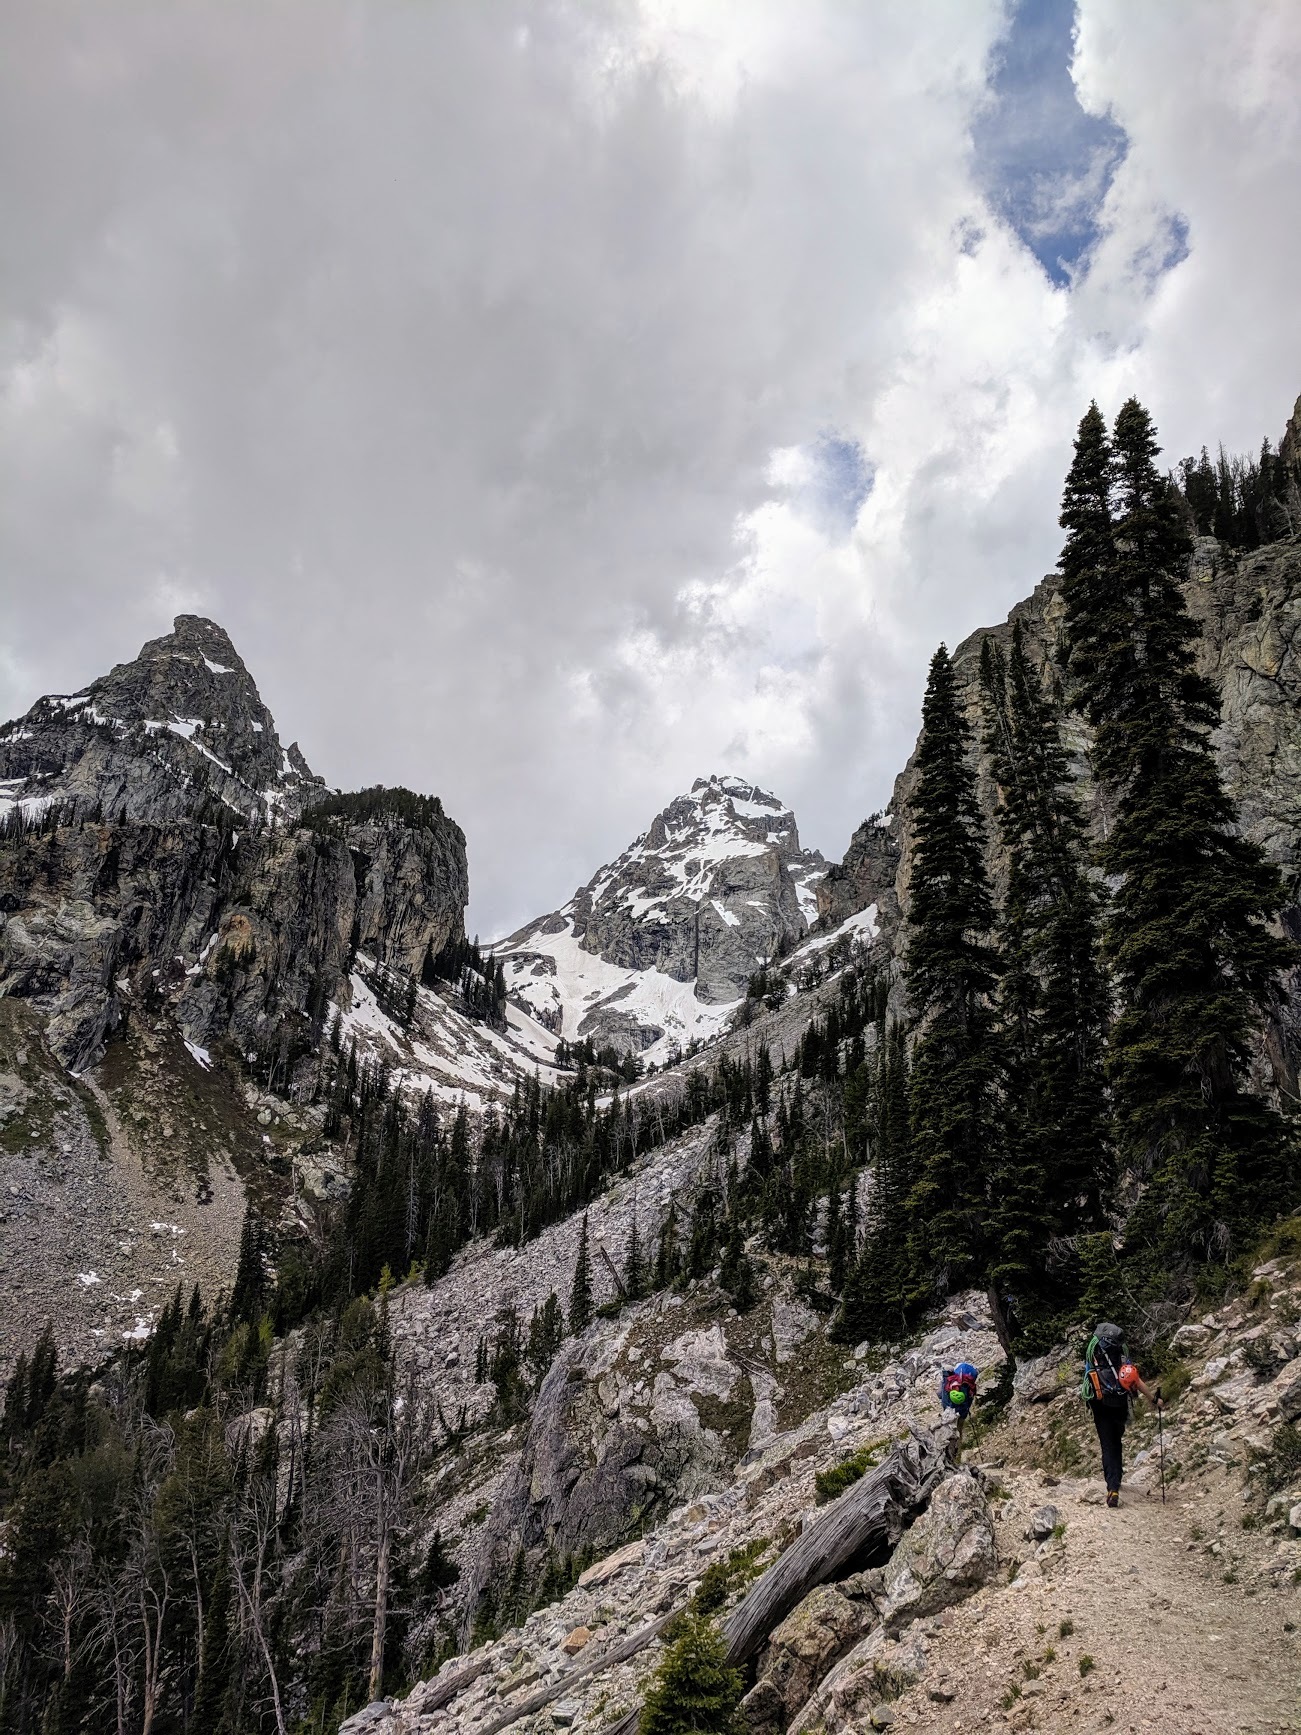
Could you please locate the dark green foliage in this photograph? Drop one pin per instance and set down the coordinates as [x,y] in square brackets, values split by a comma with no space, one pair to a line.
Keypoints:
[1192,958]
[1242,501]
[695,1692]
[722,1577]
[546,1334]
[877,1286]
[580,1291]
[634,1266]
[830,1483]
[952,971]
[377,804]
[1052,1173]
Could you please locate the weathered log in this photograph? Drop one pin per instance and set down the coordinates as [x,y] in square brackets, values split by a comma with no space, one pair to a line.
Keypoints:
[875,1510]
[443,1691]
[619,1653]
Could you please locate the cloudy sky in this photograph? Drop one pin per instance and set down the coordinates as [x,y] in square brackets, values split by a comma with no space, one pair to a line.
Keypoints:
[557,401]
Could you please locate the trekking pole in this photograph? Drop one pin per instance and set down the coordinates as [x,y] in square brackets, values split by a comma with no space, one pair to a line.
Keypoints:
[1160,1435]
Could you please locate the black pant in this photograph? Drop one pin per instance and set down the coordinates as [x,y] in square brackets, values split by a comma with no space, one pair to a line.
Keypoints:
[1109,1420]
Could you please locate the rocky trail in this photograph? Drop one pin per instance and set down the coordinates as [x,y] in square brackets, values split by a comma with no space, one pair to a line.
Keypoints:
[1124,1622]
[1016,1598]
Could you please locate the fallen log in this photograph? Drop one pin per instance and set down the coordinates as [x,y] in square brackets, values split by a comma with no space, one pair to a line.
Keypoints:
[874,1511]
[616,1654]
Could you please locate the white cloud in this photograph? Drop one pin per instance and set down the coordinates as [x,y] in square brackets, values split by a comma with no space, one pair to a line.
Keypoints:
[476,366]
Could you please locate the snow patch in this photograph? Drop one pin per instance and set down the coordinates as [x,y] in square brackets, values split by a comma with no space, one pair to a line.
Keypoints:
[200,1054]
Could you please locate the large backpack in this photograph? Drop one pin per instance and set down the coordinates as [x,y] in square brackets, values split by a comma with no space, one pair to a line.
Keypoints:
[958,1390]
[1102,1382]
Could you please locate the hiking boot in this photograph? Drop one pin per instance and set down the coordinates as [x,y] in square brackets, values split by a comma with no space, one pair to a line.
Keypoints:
[1113,1497]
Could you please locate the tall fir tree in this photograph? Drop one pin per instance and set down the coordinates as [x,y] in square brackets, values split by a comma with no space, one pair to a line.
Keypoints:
[1187,936]
[580,1292]
[1052,1173]
[952,971]
[875,1298]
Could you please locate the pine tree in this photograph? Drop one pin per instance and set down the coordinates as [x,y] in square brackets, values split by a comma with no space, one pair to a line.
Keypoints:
[695,1691]
[580,1293]
[1192,958]
[634,1266]
[249,1292]
[1053,1173]
[668,1260]
[952,970]
[875,1296]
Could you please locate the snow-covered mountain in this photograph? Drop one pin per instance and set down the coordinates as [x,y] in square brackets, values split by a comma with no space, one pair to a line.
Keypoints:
[147,741]
[656,950]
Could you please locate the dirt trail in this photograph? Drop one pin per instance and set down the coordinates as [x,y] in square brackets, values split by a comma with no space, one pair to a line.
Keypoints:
[1174,1647]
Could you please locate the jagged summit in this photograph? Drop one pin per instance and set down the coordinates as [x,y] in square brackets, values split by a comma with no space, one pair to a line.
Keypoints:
[154,736]
[658,946]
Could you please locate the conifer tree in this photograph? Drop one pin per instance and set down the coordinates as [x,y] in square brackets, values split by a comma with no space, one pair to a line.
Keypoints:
[634,1266]
[1193,960]
[668,1260]
[1052,1174]
[875,1297]
[952,970]
[580,1293]
[695,1692]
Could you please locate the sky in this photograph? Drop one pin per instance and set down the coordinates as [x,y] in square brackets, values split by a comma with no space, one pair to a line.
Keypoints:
[560,401]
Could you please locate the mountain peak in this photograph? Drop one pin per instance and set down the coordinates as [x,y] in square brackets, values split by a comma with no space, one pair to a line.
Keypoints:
[152,736]
[658,947]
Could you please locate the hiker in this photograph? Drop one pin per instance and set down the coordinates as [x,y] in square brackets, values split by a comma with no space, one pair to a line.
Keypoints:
[1110,1381]
[958,1391]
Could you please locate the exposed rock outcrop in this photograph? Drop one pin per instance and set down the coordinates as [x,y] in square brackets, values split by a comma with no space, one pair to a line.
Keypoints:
[184,857]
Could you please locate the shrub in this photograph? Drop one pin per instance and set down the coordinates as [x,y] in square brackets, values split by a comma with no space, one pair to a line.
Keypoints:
[829,1483]
[1281,1464]
[695,1691]
[718,1581]
[1087,1665]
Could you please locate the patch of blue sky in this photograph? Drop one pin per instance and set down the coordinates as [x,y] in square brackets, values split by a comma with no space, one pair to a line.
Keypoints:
[838,481]
[1042,161]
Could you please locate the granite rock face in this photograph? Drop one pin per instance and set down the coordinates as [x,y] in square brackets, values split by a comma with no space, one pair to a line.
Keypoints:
[159,839]
[714,889]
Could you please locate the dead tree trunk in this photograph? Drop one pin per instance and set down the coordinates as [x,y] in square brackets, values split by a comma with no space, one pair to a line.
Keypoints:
[874,1512]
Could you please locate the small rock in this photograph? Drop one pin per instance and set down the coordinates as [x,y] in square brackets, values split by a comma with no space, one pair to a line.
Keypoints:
[882,1717]
[575,1641]
[564,1712]
[1294,1518]
[1042,1524]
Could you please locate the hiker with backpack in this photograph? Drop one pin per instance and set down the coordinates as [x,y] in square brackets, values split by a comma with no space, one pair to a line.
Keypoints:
[958,1391]
[1110,1381]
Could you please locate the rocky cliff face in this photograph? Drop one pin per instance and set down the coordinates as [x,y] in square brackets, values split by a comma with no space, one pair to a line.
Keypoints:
[157,834]
[1249,609]
[675,927]
[176,886]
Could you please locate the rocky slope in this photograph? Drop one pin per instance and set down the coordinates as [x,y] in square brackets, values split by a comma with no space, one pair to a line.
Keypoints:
[1015,1599]
[181,899]
[179,852]
[657,948]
